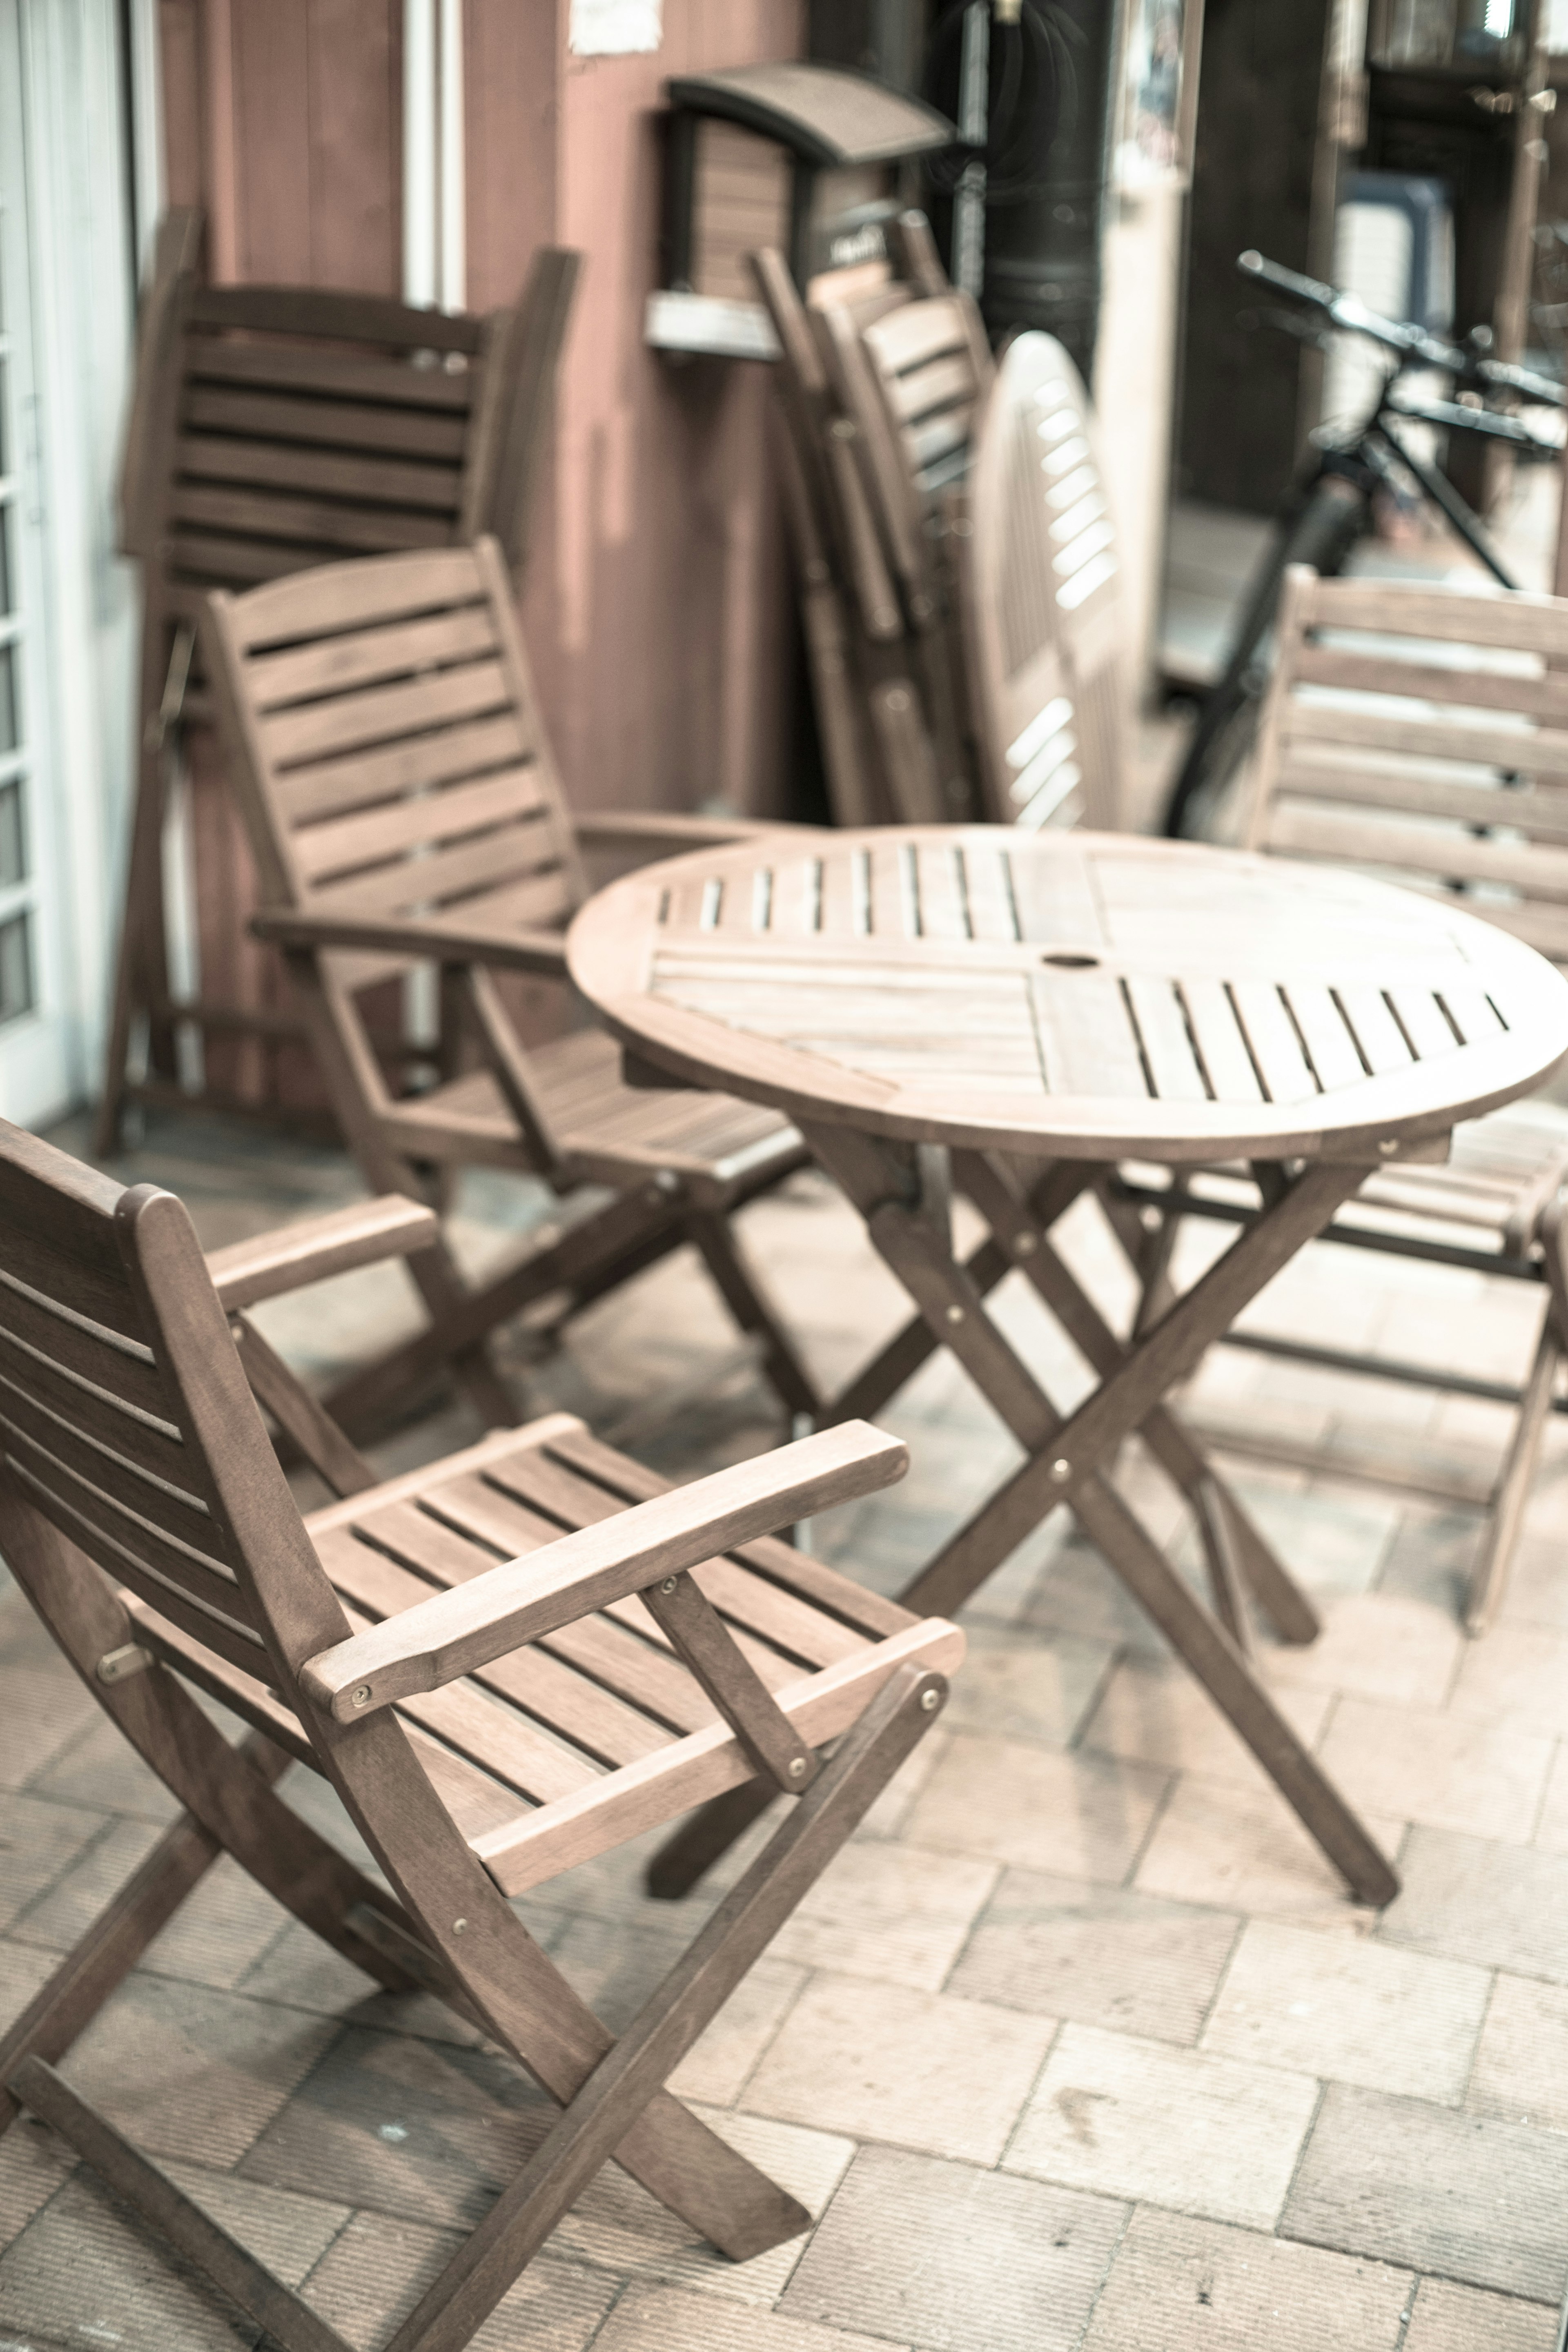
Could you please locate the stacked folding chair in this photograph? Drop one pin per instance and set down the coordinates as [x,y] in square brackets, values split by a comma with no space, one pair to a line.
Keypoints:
[273,429]
[959,582]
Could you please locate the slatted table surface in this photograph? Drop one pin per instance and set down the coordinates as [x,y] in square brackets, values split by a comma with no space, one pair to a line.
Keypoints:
[1085,993]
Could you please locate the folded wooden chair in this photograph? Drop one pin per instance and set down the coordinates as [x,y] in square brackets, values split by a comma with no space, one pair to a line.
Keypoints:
[1421,733]
[384,738]
[1041,599]
[860,493]
[504,1664]
[956,553]
[273,428]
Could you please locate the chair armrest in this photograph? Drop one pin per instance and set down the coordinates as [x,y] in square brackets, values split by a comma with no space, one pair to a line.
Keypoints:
[292,1255]
[519,1600]
[667,833]
[541,952]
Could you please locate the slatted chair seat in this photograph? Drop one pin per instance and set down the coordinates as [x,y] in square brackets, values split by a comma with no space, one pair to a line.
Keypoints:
[1420,733]
[602,1128]
[599,1730]
[385,742]
[506,1663]
[274,430]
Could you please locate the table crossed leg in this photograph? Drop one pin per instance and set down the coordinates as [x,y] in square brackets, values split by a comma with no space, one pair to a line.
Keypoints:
[901,1194]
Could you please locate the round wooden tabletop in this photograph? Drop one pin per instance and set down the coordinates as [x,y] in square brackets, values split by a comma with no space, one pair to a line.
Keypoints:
[1073,995]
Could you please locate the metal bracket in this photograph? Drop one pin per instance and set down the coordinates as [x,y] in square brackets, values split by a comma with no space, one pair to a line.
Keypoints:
[119,1665]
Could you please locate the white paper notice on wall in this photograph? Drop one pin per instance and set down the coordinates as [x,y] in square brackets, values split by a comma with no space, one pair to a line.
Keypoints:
[615,28]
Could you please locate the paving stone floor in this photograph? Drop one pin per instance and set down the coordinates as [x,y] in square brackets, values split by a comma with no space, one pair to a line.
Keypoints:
[1080,2044]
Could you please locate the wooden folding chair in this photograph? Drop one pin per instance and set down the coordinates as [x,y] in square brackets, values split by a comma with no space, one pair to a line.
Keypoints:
[1421,733]
[273,428]
[861,492]
[1039,591]
[384,740]
[504,1664]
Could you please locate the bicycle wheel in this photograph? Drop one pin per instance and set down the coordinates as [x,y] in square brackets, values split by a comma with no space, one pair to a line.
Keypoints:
[1332,520]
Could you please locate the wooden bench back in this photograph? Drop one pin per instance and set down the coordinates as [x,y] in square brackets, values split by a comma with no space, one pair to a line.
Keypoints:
[274,428]
[1040,588]
[1420,731]
[393,759]
[125,1418]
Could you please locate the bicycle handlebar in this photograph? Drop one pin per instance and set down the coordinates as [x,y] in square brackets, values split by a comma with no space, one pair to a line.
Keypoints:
[1349,312]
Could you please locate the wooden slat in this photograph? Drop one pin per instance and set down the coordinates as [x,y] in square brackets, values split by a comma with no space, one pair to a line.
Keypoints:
[314,522]
[374,835]
[1440,850]
[370,482]
[201,560]
[915,333]
[85,1527]
[334,423]
[1535,752]
[1275,1048]
[1510,619]
[947,381]
[523,847]
[1220,1042]
[375,714]
[295,368]
[359,657]
[1167,1046]
[330,314]
[142,1437]
[1381,1042]
[1421,1018]
[178,1510]
[1087,1038]
[1363,783]
[1330,1047]
[329,787]
[1543,696]
[123,1367]
[343,596]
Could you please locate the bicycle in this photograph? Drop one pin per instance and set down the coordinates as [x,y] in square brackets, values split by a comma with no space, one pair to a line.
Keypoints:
[1329,504]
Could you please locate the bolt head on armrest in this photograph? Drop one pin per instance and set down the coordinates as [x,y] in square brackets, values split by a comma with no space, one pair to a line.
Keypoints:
[519,1600]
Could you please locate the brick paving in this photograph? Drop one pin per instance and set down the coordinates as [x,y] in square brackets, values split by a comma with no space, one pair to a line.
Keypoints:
[1080,2045]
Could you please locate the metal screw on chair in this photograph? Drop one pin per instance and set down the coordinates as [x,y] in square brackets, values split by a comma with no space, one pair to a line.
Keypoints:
[668,1584]
[796,1767]
[931,1699]
[362,1695]
[955,1314]
[1388,1147]
[1061,1471]
[459,1926]
[1024,1244]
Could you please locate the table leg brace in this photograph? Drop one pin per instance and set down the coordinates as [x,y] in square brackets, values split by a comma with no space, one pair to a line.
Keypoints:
[917,1245]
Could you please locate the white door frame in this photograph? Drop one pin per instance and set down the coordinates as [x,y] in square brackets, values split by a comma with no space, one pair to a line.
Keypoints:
[69,167]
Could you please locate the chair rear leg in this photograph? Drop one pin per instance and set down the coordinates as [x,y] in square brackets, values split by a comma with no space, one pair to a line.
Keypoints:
[1490,1581]
[599,2121]
[743,1295]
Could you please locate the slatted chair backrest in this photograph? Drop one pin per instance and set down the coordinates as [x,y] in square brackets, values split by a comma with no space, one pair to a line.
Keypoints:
[1420,731]
[276,428]
[1041,603]
[125,1418]
[393,760]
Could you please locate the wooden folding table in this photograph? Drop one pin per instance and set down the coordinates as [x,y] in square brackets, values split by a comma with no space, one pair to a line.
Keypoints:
[1016,1017]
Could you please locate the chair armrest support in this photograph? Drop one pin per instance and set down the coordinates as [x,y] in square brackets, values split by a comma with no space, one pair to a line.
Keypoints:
[664,833]
[292,1255]
[519,1600]
[543,954]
